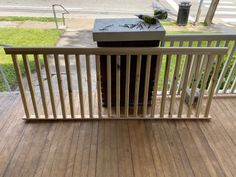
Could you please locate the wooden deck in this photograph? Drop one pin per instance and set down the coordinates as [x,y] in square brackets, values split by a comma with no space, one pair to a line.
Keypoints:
[123,148]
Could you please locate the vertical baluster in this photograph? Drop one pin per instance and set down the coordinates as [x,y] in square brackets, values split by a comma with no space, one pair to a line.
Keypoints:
[193,65]
[233,86]
[174,84]
[217,44]
[178,81]
[230,77]
[137,83]
[203,85]
[99,85]
[21,86]
[49,79]
[80,86]
[41,84]
[157,75]
[60,87]
[170,88]
[203,62]
[194,84]
[165,85]
[225,68]
[226,43]
[163,43]
[127,85]
[109,85]
[31,88]
[184,70]
[213,84]
[172,43]
[146,85]
[118,86]
[89,82]
[185,84]
[69,84]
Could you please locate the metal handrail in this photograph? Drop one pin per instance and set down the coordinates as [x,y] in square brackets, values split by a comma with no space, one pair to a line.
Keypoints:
[54,13]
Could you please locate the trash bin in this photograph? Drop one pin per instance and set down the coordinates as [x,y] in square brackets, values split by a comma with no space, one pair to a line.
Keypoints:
[115,33]
[183,13]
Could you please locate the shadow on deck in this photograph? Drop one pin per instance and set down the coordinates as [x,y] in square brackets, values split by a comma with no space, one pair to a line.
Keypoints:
[123,148]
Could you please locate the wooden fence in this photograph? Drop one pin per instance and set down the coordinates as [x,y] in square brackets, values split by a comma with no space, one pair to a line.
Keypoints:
[84,63]
[227,79]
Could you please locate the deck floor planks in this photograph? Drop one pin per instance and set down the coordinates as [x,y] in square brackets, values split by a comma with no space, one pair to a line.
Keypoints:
[10,138]
[166,156]
[118,148]
[32,158]
[20,156]
[125,165]
[172,128]
[175,151]
[229,123]
[218,145]
[224,129]
[205,150]
[227,127]
[141,152]
[46,160]
[196,161]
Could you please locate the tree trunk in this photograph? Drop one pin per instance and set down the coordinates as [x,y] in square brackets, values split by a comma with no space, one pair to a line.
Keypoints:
[211,12]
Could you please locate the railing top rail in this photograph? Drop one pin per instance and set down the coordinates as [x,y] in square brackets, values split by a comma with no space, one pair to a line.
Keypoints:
[200,37]
[117,51]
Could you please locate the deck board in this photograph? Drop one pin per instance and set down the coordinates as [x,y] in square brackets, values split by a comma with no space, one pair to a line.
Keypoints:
[117,148]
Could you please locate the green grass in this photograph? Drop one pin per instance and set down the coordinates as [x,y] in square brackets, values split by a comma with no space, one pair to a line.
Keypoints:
[40,19]
[185,44]
[22,37]
[170,23]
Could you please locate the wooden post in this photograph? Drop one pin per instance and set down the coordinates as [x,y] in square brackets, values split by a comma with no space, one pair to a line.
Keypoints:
[211,12]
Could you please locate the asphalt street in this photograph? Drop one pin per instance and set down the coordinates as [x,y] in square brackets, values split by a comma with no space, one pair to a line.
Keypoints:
[226,11]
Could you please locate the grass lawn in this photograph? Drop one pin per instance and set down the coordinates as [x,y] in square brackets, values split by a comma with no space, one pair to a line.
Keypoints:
[40,19]
[22,37]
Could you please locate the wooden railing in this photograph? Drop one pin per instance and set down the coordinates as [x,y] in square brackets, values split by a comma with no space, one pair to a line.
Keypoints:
[227,80]
[81,67]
